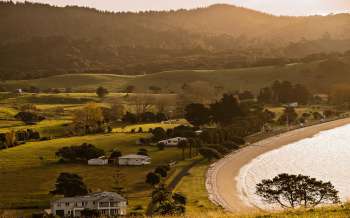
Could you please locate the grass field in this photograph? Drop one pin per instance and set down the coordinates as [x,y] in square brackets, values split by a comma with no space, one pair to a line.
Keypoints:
[326,212]
[171,81]
[299,110]
[193,186]
[311,74]
[29,171]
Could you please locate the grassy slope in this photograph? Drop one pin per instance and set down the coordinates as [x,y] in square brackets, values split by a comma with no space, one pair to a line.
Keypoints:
[246,78]
[193,186]
[77,81]
[327,212]
[29,179]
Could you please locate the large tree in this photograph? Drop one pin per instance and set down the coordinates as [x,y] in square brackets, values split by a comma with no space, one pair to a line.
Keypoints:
[225,110]
[197,114]
[290,191]
[289,116]
[69,185]
[89,119]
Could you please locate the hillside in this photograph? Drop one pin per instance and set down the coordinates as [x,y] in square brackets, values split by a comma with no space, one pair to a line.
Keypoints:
[82,40]
[315,74]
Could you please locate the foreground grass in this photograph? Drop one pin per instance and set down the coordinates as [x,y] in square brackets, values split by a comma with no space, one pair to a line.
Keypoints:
[326,212]
[29,172]
[193,186]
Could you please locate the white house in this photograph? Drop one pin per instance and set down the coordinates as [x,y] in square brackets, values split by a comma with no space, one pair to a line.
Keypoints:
[173,141]
[106,203]
[98,161]
[134,160]
[293,104]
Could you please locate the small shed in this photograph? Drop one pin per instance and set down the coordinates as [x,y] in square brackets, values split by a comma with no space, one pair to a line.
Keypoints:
[98,161]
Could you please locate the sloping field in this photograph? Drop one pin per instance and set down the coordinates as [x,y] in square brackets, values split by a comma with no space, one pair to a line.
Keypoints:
[28,172]
[172,81]
[75,81]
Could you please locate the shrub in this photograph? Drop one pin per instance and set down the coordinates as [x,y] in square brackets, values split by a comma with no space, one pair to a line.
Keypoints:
[29,118]
[152,179]
[221,149]
[230,145]
[237,140]
[161,171]
[80,153]
[210,153]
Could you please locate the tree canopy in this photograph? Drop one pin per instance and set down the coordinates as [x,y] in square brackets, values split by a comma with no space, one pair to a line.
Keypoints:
[80,153]
[291,191]
[69,185]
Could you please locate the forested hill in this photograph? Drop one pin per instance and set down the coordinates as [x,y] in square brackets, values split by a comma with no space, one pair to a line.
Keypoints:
[40,40]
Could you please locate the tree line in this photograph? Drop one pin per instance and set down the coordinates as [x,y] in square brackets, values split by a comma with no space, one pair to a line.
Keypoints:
[112,42]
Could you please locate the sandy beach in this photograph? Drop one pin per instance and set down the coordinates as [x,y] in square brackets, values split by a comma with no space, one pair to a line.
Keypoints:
[221,177]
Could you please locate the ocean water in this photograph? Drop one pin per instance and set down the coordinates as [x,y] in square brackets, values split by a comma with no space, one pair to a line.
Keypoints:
[326,156]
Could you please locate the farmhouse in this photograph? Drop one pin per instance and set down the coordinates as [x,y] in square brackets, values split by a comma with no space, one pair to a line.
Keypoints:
[98,161]
[173,141]
[106,203]
[134,160]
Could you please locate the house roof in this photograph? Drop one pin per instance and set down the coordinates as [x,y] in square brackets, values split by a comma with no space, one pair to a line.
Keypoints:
[134,156]
[98,196]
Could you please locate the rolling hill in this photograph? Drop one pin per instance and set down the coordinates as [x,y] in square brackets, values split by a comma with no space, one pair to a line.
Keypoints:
[39,40]
[317,75]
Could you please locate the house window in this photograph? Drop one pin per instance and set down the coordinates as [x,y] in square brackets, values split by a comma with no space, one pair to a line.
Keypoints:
[67,204]
[58,204]
[84,203]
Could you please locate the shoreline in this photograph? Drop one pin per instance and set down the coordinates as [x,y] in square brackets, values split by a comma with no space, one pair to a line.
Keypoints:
[221,178]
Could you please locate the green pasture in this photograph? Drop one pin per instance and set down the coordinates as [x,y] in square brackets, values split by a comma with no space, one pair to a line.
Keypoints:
[28,172]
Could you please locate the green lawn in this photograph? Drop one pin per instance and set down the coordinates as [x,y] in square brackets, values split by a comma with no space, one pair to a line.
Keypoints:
[46,127]
[28,172]
[193,187]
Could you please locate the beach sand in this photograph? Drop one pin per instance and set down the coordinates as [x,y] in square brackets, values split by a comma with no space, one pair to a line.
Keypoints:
[221,177]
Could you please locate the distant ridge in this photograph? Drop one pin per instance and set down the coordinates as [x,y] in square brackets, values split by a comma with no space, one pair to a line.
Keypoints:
[38,40]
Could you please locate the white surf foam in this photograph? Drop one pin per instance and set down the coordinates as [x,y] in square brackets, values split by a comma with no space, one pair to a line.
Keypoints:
[326,156]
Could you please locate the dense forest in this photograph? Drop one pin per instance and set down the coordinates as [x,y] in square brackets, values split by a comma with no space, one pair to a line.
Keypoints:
[39,40]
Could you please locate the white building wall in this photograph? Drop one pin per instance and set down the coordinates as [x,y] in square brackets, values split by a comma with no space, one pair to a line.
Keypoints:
[132,162]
